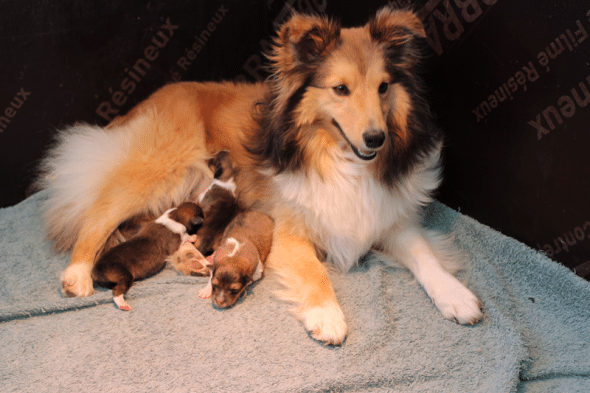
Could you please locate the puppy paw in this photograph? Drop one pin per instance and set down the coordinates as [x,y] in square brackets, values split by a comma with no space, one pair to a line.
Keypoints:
[205,293]
[188,260]
[458,303]
[76,280]
[186,238]
[325,323]
[121,303]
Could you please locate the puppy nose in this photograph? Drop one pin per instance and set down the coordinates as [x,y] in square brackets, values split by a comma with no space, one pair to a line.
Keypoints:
[374,138]
[220,301]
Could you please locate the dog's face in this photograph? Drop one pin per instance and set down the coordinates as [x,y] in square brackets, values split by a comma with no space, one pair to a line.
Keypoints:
[351,88]
[229,281]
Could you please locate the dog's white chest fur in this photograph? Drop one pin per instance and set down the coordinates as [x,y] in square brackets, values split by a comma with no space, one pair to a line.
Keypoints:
[348,212]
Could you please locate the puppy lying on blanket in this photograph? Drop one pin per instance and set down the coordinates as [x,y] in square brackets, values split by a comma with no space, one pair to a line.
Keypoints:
[239,261]
[146,253]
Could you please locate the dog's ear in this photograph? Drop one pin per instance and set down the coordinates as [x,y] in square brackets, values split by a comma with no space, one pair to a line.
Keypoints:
[398,31]
[302,40]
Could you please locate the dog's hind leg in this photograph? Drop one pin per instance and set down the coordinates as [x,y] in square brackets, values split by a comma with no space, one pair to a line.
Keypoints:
[99,223]
[156,160]
[130,194]
[306,284]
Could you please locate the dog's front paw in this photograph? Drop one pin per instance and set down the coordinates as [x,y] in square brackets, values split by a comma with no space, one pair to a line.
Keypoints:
[458,303]
[76,280]
[325,323]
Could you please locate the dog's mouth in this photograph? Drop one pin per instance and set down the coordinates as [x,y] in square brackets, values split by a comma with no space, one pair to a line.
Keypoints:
[363,155]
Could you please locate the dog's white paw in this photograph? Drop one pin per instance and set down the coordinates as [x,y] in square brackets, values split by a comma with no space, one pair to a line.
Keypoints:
[76,280]
[325,323]
[457,303]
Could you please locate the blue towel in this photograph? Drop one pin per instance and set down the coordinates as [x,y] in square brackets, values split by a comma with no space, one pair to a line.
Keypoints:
[535,336]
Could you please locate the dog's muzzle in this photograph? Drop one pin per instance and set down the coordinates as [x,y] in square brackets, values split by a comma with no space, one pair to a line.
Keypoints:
[373,139]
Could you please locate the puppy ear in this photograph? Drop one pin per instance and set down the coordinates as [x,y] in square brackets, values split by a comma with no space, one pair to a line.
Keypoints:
[194,224]
[398,31]
[302,40]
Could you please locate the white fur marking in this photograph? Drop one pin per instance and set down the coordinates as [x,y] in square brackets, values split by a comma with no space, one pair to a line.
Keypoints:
[453,299]
[169,223]
[77,280]
[229,185]
[121,303]
[326,323]
[205,293]
[349,211]
[236,244]
[259,270]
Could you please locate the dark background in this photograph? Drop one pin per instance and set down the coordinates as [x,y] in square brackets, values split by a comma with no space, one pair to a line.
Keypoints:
[517,161]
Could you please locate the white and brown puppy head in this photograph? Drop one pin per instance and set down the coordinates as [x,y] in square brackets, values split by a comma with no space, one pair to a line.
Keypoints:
[235,266]
[184,219]
[353,92]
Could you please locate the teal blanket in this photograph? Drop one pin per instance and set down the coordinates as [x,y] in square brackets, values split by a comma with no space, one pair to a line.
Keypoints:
[535,336]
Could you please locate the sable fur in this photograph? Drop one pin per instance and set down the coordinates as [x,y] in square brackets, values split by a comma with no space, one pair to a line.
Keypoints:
[299,141]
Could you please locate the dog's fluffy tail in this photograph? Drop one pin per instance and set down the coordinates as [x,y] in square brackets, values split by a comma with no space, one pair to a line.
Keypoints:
[144,165]
[72,173]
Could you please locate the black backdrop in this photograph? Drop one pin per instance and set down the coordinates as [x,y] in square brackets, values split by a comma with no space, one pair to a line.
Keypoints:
[509,82]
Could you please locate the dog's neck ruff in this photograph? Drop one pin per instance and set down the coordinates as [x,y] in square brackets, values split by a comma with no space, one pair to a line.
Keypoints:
[169,223]
[349,210]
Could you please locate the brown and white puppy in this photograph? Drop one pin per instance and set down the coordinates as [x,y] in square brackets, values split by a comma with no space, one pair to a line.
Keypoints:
[219,208]
[239,261]
[146,253]
[219,204]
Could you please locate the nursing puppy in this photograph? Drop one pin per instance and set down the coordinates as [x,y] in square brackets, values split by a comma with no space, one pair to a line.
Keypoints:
[240,260]
[219,205]
[145,254]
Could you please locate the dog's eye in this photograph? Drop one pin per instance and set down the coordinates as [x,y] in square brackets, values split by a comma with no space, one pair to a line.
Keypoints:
[341,90]
[383,88]
[235,291]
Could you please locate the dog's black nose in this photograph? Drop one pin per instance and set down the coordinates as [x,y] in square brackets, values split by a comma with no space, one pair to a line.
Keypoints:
[374,138]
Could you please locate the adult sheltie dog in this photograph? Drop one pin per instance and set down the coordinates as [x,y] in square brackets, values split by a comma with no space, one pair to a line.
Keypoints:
[337,146]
